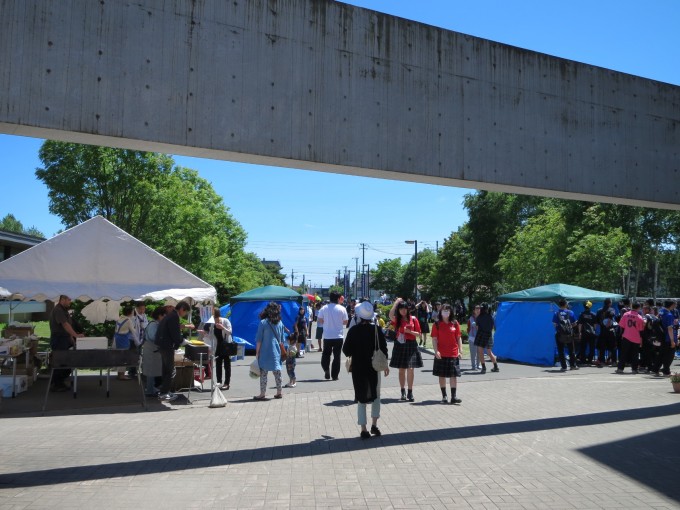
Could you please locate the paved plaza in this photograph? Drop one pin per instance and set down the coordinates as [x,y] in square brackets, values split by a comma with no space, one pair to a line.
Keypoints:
[526,438]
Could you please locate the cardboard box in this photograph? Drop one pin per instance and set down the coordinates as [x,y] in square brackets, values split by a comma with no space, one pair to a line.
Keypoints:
[92,342]
[31,373]
[20,385]
[19,331]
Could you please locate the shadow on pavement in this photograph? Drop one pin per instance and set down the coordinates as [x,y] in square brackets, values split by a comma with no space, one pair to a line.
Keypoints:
[622,455]
[651,459]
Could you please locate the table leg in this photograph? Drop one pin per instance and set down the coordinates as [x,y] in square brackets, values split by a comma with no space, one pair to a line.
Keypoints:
[108,375]
[14,376]
[47,393]
[75,383]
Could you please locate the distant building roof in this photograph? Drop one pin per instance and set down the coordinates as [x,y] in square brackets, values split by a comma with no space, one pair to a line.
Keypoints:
[16,239]
[274,263]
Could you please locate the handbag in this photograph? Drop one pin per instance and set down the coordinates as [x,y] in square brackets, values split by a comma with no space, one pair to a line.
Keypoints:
[254,370]
[232,348]
[348,364]
[379,359]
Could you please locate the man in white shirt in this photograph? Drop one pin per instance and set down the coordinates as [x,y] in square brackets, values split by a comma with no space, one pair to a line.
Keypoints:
[333,319]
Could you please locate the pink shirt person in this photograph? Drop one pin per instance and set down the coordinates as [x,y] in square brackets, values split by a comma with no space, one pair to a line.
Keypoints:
[632,324]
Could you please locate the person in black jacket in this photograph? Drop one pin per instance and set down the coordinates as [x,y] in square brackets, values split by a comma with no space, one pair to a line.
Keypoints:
[587,323]
[168,339]
[360,345]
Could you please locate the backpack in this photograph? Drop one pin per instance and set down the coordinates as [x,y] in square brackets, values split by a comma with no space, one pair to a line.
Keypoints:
[122,340]
[565,332]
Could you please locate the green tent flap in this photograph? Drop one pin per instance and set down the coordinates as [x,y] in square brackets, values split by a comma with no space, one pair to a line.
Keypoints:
[556,291]
[268,293]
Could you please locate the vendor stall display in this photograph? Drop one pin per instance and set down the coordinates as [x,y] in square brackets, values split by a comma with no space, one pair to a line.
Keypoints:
[103,359]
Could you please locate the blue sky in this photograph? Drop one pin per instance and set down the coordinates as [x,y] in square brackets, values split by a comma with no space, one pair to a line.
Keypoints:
[337,213]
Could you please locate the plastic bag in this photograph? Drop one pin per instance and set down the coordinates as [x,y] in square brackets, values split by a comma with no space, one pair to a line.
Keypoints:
[255,369]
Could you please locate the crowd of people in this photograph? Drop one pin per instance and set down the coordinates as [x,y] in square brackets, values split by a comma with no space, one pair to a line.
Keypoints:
[640,335]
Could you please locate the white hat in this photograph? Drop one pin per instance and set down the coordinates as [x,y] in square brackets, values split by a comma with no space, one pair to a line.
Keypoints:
[364,310]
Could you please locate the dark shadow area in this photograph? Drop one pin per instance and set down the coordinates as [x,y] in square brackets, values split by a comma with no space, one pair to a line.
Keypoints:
[651,459]
[326,445]
[339,403]
[312,380]
[428,403]
[384,401]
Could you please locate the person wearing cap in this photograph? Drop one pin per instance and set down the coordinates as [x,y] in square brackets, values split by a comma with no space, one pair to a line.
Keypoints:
[360,345]
[566,317]
[587,323]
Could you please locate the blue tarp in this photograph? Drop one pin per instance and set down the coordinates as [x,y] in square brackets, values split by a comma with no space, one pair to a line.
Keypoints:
[525,332]
[245,316]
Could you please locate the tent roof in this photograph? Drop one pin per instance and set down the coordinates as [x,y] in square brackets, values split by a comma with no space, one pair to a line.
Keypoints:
[268,293]
[98,260]
[555,291]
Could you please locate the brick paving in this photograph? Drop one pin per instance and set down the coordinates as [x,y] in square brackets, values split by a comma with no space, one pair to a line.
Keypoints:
[526,438]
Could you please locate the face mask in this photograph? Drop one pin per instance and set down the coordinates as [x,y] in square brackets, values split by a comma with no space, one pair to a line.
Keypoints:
[445,314]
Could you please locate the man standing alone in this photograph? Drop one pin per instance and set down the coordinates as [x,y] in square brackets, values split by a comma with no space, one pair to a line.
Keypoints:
[333,318]
[62,337]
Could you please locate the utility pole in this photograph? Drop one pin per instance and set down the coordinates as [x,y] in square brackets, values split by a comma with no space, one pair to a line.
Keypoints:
[356,275]
[292,278]
[436,249]
[363,265]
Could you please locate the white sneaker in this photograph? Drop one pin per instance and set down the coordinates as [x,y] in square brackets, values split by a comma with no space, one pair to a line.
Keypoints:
[168,397]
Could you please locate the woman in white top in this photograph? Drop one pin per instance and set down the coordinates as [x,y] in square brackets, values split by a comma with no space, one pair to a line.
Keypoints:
[218,336]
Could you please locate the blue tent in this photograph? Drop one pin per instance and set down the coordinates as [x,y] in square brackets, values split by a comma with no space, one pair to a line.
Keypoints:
[246,307]
[524,328]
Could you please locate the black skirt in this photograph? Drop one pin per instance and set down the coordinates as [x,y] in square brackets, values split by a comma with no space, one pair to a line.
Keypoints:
[484,339]
[424,326]
[406,355]
[446,367]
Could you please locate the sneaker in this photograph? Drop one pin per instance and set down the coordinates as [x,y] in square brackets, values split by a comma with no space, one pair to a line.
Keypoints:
[619,371]
[445,400]
[365,434]
[403,396]
[573,367]
[168,397]
[375,431]
[455,400]
[289,385]
[409,397]
[495,369]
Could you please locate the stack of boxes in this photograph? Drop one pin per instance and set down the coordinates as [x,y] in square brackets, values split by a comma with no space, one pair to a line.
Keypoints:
[18,341]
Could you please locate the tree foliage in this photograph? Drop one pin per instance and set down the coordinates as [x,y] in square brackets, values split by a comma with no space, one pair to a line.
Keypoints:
[172,209]
[11,224]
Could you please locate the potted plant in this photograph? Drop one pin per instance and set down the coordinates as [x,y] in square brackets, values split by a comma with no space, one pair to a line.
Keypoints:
[675,381]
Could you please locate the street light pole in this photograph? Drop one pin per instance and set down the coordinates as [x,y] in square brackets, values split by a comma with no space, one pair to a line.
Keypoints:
[415,242]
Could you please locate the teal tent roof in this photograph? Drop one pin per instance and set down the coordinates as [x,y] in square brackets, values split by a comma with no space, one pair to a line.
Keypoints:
[268,293]
[556,291]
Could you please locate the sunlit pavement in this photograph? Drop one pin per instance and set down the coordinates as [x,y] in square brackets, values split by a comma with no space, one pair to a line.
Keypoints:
[527,437]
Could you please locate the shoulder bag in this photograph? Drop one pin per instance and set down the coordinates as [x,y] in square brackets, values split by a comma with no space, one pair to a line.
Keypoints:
[379,359]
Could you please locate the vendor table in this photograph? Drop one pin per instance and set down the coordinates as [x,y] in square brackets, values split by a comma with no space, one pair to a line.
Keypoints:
[103,359]
[13,358]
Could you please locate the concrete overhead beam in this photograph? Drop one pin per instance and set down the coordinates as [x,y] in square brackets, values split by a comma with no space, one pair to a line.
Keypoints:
[326,86]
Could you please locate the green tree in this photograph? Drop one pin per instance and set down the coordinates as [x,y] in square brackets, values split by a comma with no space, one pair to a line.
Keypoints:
[455,276]
[493,220]
[535,254]
[10,224]
[388,277]
[171,209]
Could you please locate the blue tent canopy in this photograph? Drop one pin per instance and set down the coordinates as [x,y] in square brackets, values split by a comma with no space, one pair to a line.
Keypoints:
[246,307]
[524,328]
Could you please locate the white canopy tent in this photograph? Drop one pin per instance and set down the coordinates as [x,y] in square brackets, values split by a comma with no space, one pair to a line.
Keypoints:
[98,261]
